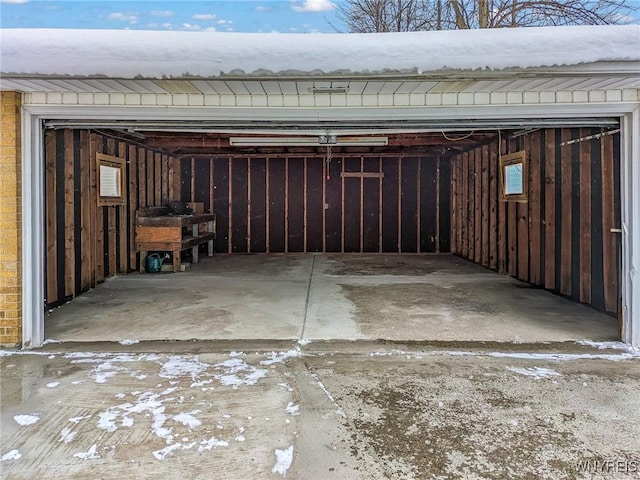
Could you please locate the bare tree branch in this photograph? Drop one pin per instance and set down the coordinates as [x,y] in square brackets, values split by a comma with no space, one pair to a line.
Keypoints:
[412,15]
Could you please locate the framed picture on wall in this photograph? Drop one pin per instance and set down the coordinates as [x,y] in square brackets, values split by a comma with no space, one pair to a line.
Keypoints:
[110,177]
[514,176]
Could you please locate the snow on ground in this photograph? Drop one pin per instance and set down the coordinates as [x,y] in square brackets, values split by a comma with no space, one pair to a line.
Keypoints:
[292,409]
[178,366]
[67,435]
[213,442]
[534,372]
[156,406]
[283,460]
[26,420]
[274,357]
[237,372]
[53,384]
[89,454]
[129,341]
[188,419]
[155,54]
[11,455]
[609,346]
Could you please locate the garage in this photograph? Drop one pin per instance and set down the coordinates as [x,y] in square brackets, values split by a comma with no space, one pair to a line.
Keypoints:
[384,194]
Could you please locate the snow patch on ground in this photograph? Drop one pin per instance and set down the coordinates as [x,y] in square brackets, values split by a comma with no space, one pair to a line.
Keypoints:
[283,460]
[609,346]
[187,419]
[566,356]
[129,341]
[168,450]
[8,353]
[535,372]
[26,420]
[47,341]
[237,372]
[292,409]
[11,455]
[89,454]
[179,366]
[274,357]
[66,435]
[213,442]
[53,384]
[77,420]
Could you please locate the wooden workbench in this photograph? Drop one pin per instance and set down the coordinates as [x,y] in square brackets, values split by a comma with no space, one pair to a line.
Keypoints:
[157,231]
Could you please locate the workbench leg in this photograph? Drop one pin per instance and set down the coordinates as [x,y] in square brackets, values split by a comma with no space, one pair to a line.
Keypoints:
[210,242]
[176,260]
[143,257]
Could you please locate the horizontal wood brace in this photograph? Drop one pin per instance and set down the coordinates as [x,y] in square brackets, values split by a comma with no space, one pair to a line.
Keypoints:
[362,175]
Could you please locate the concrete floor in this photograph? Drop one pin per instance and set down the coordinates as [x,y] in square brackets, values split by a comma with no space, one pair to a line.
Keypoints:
[326,297]
[332,410]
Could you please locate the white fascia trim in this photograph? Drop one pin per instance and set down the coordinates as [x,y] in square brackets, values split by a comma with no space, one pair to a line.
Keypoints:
[82,112]
[33,240]
[630,193]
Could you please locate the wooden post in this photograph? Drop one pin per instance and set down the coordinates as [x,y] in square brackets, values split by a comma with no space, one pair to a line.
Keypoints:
[585,218]
[248,204]
[286,204]
[342,207]
[565,254]
[133,203]
[124,219]
[304,207]
[550,210]
[400,204]
[325,172]
[380,205]
[52,284]
[230,231]
[211,186]
[193,180]
[69,254]
[418,203]
[438,205]
[361,204]
[268,206]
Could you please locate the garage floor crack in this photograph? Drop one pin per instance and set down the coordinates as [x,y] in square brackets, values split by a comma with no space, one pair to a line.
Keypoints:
[306,304]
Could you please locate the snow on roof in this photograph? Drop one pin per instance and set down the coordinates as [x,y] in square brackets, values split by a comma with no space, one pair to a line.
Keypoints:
[154,54]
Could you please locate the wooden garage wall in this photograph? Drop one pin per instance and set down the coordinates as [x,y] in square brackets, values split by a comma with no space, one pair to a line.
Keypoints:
[560,239]
[275,203]
[85,243]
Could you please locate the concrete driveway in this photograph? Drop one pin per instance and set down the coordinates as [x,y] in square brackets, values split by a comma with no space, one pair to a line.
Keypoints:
[320,410]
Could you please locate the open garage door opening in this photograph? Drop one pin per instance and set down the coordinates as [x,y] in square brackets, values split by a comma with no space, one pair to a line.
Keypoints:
[386,235]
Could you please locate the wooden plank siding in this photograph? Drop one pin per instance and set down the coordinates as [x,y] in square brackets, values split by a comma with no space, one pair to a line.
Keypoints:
[85,243]
[560,239]
[372,203]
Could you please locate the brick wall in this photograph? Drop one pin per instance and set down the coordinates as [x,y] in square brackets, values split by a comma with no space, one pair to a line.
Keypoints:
[10,221]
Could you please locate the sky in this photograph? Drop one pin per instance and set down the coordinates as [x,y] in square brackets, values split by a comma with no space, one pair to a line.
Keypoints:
[285,16]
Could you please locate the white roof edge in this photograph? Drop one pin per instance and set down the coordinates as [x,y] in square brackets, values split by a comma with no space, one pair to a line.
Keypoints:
[130,54]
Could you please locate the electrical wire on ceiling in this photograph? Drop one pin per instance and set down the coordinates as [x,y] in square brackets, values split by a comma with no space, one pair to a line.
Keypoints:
[459,138]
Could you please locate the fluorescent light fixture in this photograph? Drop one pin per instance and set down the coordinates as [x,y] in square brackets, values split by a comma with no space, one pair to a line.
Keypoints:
[322,140]
[328,90]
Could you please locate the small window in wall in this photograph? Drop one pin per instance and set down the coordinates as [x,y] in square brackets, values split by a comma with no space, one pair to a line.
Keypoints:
[513,177]
[110,176]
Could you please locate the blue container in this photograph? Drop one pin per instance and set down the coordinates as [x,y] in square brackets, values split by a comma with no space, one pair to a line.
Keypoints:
[153,263]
